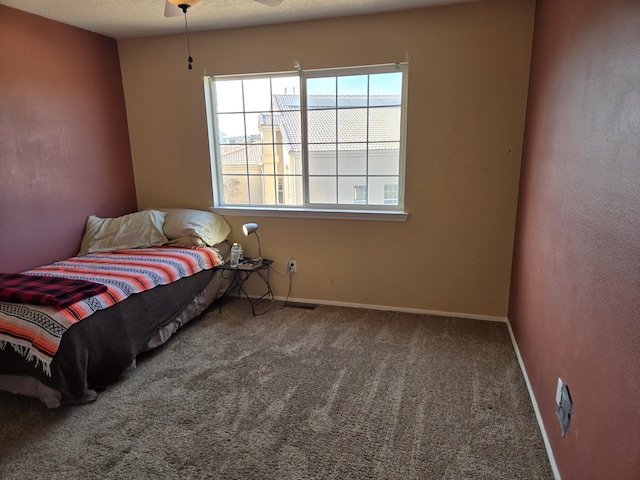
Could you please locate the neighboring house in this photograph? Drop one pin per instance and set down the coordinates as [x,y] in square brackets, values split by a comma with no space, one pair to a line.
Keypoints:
[237,160]
[354,153]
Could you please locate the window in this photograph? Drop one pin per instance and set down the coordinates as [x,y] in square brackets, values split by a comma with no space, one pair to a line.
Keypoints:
[321,139]
[391,194]
[280,191]
[360,194]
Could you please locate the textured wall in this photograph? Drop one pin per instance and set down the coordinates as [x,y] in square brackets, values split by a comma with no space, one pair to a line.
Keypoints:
[575,304]
[64,144]
[468,79]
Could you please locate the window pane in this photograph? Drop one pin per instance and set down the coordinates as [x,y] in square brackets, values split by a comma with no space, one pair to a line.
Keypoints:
[360,194]
[231,128]
[384,158]
[350,86]
[291,160]
[234,156]
[236,189]
[269,189]
[377,190]
[391,194]
[254,158]
[354,160]
[387,84]
[352,125]
[266,127]
[324,91]
[384,124]
[269,156]
[294,190]
[322,189]
[289,86]
[229,96]
[290,190]
[321,126]
[257,94]
[252,123]
[322,163]
[257,195]
[346,188]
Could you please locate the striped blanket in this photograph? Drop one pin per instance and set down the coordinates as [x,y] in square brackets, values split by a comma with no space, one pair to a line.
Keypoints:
[35,331]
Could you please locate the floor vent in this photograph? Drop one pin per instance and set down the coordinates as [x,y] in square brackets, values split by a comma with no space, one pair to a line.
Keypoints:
[304,306]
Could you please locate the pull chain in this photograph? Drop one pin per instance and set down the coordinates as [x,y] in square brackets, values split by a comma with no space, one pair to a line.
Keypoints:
[184,8]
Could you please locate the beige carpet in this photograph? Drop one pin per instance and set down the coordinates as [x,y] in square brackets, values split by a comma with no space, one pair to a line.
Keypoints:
[330,393]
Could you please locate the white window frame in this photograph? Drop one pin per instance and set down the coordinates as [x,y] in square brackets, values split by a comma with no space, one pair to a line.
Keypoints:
[308,209]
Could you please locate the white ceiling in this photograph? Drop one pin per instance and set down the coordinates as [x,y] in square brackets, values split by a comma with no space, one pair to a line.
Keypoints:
[137,18]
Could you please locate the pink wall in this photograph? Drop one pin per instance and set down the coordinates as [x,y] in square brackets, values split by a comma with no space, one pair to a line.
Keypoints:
[64,144]
[575,294]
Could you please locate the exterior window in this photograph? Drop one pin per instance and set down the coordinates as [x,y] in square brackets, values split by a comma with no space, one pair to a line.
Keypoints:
[280,191]
[313,140]
[360,194]
[391,194]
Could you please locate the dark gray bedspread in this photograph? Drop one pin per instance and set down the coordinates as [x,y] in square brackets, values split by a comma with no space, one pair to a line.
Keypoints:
[97,350]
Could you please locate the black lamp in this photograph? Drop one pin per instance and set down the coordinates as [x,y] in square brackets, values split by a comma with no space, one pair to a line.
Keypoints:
[248,229]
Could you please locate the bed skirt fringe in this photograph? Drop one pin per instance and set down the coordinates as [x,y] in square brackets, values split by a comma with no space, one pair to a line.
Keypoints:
[29,354]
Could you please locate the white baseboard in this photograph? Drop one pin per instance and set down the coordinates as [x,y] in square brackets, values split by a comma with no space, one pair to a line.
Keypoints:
[396,309]
[545,438]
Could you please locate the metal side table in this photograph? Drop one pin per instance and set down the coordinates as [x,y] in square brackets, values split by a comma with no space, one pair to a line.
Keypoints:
[242,273]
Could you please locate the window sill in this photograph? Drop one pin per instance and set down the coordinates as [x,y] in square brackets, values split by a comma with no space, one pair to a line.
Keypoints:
[326,214]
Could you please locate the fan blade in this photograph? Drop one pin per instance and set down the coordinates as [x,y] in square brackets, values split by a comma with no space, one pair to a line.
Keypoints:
[171,10]
[270,3]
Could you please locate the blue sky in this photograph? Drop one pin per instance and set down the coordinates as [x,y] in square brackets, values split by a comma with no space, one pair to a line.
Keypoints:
[258,91]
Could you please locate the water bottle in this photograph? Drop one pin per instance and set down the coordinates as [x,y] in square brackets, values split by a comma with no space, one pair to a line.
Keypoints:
[235,255]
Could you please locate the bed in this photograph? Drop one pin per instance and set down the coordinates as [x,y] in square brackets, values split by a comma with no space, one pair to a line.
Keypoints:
[136,280]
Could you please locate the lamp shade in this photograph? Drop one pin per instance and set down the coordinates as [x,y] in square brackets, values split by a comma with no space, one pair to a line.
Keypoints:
[191,3]
[249,228]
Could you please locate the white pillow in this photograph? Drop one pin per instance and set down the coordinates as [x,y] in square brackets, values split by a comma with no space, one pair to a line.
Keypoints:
[197,225]
[135,230]
[188,241]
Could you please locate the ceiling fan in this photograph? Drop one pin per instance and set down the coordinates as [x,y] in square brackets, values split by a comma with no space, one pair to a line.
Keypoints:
[173,8]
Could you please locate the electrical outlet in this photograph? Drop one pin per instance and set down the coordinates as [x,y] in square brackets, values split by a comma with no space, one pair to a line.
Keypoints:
[292,265]
[559,391]
[565,406]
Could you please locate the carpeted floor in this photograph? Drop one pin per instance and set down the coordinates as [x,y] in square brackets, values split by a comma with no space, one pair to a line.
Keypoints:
[330,393]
